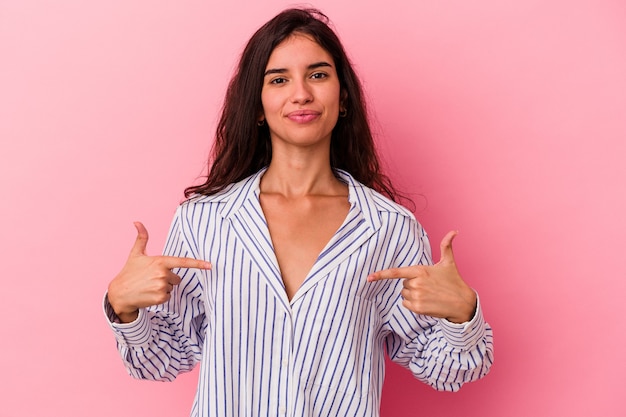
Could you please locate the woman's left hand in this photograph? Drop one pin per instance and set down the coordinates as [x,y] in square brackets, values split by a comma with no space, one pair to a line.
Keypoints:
[437,290]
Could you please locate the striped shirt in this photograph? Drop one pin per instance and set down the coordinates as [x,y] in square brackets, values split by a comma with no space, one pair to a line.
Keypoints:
[320,353]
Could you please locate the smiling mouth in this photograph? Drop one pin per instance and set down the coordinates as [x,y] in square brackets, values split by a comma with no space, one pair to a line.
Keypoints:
[303,116]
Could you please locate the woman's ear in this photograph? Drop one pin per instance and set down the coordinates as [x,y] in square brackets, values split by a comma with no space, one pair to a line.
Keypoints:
[343,109]
[343,98]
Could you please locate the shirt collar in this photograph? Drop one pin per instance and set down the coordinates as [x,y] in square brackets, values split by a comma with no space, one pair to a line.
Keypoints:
[360,197]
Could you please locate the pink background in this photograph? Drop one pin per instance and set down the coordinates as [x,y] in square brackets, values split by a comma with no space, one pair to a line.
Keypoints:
[505,120]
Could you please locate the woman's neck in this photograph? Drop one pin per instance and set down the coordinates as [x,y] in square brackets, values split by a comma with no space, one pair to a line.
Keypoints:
[298,177]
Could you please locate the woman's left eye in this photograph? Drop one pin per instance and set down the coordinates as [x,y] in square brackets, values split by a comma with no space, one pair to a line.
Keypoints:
[318,75]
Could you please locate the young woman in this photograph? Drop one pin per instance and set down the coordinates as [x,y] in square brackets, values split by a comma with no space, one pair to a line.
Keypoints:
[290,270]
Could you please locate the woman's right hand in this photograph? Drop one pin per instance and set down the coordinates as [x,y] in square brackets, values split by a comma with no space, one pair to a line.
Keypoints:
[145,280]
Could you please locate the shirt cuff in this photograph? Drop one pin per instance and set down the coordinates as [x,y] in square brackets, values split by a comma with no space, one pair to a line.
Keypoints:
[133,334]
[466,335]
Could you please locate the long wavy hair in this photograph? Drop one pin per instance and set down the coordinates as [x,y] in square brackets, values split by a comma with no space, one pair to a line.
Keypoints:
[242,148]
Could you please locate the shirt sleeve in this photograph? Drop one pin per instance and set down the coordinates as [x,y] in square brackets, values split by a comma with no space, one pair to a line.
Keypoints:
[442,354]
[165,339]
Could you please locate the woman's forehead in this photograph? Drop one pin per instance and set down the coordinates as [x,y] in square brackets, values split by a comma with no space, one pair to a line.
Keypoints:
[298,49]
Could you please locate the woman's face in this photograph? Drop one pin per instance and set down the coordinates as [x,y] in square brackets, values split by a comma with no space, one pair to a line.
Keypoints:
[300,94]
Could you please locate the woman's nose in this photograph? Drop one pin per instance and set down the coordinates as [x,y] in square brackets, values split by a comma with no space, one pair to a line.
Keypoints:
[301,92]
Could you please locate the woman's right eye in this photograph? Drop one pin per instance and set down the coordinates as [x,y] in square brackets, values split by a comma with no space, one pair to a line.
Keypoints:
[278,80]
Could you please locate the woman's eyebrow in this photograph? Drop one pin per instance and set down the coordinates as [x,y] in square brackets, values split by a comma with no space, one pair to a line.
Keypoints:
[283,70]
[319,64]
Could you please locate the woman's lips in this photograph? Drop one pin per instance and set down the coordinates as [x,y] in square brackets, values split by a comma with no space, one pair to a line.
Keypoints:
[303,116]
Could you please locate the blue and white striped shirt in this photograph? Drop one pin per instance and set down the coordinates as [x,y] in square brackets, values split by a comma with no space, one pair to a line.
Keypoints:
[320,353]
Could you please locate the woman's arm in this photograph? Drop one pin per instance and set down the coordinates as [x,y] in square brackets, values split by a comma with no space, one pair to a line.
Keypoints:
[436,326]
[155,309]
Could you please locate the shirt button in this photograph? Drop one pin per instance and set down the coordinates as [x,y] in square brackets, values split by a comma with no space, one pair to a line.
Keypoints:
[285,362]
[282,410]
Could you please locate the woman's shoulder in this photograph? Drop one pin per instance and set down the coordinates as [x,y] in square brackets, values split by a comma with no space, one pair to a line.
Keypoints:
[366,196]
[220,196]
[384,203]
[230,194]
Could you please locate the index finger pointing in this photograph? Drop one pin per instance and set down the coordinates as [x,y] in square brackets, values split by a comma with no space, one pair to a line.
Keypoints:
[392,273]
[171,262]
